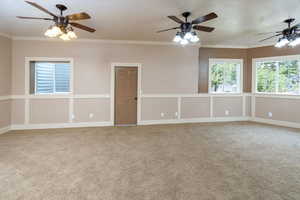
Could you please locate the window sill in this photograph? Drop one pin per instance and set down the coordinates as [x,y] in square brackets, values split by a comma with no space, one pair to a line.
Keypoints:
[53,94]
[258,94]
[56,95]
[225,93]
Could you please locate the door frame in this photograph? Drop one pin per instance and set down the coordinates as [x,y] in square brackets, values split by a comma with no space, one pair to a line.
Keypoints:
[112,89]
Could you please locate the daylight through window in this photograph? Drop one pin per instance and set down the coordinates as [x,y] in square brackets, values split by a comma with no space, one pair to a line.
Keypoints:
[225,75]
[280,76]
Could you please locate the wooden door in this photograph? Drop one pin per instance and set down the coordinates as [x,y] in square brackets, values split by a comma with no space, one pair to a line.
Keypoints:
[126,95]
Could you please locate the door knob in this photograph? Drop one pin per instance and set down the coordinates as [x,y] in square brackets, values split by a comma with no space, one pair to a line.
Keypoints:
[135,98]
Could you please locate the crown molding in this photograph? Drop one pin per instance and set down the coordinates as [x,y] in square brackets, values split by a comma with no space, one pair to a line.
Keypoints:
[134,42]
[103,41]
[238,46]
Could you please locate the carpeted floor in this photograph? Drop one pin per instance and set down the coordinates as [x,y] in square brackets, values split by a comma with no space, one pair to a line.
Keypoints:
[220,161]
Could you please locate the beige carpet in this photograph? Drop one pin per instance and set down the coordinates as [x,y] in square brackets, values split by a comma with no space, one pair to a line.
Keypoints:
[221,161]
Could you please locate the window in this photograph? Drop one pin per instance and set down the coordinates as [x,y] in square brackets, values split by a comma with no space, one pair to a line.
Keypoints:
[279,75]
[225,75]
[50,77]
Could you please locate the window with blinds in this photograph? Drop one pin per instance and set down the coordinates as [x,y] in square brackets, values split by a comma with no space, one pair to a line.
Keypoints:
[50,77]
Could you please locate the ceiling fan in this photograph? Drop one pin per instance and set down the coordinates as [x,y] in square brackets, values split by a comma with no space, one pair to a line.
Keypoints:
[289,36]
[188,29]
[62,27]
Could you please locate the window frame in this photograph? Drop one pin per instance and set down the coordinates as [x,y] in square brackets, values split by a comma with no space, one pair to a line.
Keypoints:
[271,59]
[28,60]
[213,61]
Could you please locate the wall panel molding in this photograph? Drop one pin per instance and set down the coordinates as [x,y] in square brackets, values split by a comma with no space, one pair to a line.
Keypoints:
[5,129]
[4,98]
[177,120]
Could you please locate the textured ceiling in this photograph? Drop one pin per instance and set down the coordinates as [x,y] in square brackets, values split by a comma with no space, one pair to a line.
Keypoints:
[238,24]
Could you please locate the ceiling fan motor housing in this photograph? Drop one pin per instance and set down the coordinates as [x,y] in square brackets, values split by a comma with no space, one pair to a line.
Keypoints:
[186,27]
[61,22]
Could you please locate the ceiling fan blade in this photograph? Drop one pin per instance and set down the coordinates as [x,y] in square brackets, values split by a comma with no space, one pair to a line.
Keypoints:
[79,16]
[205,18]
[82,27]
[176,19]
[168,29]
[270,37]
[266,33]
[20,17]
[296,26]
[41,8]
[203,28]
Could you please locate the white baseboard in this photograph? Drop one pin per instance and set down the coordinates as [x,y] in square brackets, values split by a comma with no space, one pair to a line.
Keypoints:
[194,120]
[276,122]
[60,125]
[150,122]
[4,129]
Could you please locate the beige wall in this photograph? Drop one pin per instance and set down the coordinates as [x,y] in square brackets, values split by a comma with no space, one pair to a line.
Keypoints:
[5,66]
[234,106]
[18,111]
[165,69]
[45,111]
[5,81]
[152,108]
[195,107]
[248,106]
[283,109]
[91,110]
[165,64]
[5,114]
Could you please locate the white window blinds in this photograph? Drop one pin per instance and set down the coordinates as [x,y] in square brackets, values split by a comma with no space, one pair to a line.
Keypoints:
[52,77]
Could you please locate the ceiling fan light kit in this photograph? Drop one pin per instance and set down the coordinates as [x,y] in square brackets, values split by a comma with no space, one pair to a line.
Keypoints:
[281,42]
[289,36]
[53,31]
[187,33]
[66,34]
[62,27]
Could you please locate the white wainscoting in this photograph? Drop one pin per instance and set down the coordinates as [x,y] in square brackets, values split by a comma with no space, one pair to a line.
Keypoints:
[209,118]
[71,99]
[178,119]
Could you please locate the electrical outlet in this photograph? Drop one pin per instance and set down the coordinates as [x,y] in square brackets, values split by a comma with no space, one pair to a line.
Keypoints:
[176,114]
[162,114]
[270,114]
[226,112]
[72,116]
[91,115]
